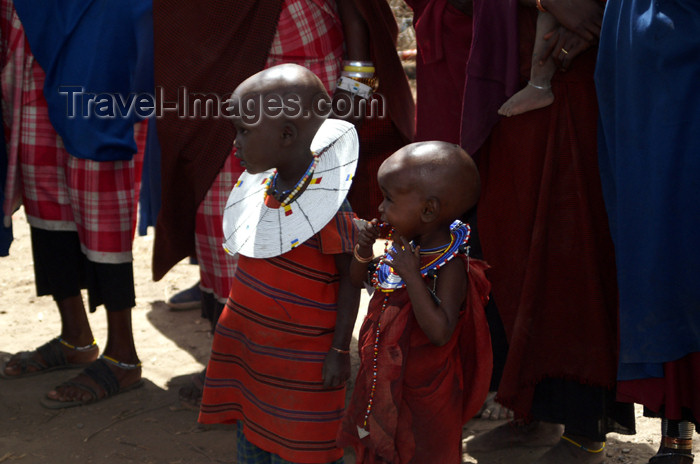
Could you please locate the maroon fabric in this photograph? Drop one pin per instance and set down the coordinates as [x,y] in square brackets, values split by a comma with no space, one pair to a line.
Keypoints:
[215,48]
[544,231]
[204,48]
[443,36]
[379,138]
[673,395]
[424,393]
[492,71]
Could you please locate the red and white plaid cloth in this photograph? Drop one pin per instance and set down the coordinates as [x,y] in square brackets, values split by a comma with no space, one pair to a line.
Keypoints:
[59,191]
[105,196]
[310,34]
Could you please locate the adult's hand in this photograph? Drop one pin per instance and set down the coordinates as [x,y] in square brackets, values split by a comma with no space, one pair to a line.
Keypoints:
[563,46]
[584,17]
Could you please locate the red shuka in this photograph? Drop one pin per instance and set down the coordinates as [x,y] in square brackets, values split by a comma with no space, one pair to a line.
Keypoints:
[424,393]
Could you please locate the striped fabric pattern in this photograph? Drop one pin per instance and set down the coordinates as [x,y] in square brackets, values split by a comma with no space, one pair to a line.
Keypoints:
[309,33]
[248,453]
[269,347]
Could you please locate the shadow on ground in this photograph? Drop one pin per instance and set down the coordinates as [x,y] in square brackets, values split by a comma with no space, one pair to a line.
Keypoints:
[619,449]
[186,329]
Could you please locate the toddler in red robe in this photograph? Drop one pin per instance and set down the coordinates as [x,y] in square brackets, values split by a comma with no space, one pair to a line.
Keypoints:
[424,346]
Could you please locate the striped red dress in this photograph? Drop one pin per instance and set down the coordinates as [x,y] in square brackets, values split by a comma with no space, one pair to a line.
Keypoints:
[270,345]
[309,33]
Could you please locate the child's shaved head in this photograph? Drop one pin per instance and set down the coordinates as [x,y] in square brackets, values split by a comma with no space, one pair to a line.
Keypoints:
[288,91]
[440,170]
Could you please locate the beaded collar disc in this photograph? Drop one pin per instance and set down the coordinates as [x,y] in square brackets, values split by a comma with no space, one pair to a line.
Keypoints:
[257,227]
[386,280]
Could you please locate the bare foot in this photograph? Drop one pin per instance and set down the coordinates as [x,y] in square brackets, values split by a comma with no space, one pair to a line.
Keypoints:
[528,99]
[98,381]
[493,410]
[191,395]
[50,356]
[516,433]
[568,453]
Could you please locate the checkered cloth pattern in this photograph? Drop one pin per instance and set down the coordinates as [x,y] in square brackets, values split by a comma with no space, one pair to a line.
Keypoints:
[59,191]
[36,157]
[216,267]
[310,34]
[104,195]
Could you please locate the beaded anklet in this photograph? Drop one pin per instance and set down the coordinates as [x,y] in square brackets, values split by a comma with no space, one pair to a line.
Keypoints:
[539,87]
[77,348]
[677,443]
[564,437]
[119,364]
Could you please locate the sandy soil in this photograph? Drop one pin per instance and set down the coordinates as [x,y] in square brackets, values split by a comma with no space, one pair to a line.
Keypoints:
[149,425]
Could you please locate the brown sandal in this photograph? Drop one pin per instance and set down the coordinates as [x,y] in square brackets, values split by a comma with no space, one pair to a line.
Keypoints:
[53,358]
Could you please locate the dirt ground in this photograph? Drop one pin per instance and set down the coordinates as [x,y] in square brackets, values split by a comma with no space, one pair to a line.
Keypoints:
[149,425]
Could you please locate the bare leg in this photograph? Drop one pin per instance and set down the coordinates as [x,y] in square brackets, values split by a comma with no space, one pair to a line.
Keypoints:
[75,331]
[538,92]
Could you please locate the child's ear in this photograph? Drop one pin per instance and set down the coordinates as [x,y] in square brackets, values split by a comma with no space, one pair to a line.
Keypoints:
[431,209]
[289,134]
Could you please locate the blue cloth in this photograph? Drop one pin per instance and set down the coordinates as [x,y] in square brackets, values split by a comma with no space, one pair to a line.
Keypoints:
[149,199]
[648,79]
[5,232]
[105,48]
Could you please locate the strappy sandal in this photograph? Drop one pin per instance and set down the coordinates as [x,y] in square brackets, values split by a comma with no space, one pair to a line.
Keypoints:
[100,373]
[53,357]
[672,458]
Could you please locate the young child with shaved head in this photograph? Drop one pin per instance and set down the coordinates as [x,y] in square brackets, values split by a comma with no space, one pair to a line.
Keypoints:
[280,354]
[425,351]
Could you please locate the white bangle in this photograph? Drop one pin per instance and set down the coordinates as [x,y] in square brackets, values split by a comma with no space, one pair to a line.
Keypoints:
[354,87]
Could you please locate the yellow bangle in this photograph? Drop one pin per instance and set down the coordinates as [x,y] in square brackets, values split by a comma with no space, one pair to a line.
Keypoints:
[540,7]
[360,258]
[363,69]
[340,351]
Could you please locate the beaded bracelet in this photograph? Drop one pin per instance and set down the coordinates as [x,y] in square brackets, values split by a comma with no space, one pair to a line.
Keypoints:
[373,81]
[354,87]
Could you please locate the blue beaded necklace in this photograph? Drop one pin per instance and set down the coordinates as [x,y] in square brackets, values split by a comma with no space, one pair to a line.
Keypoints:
[386,280]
